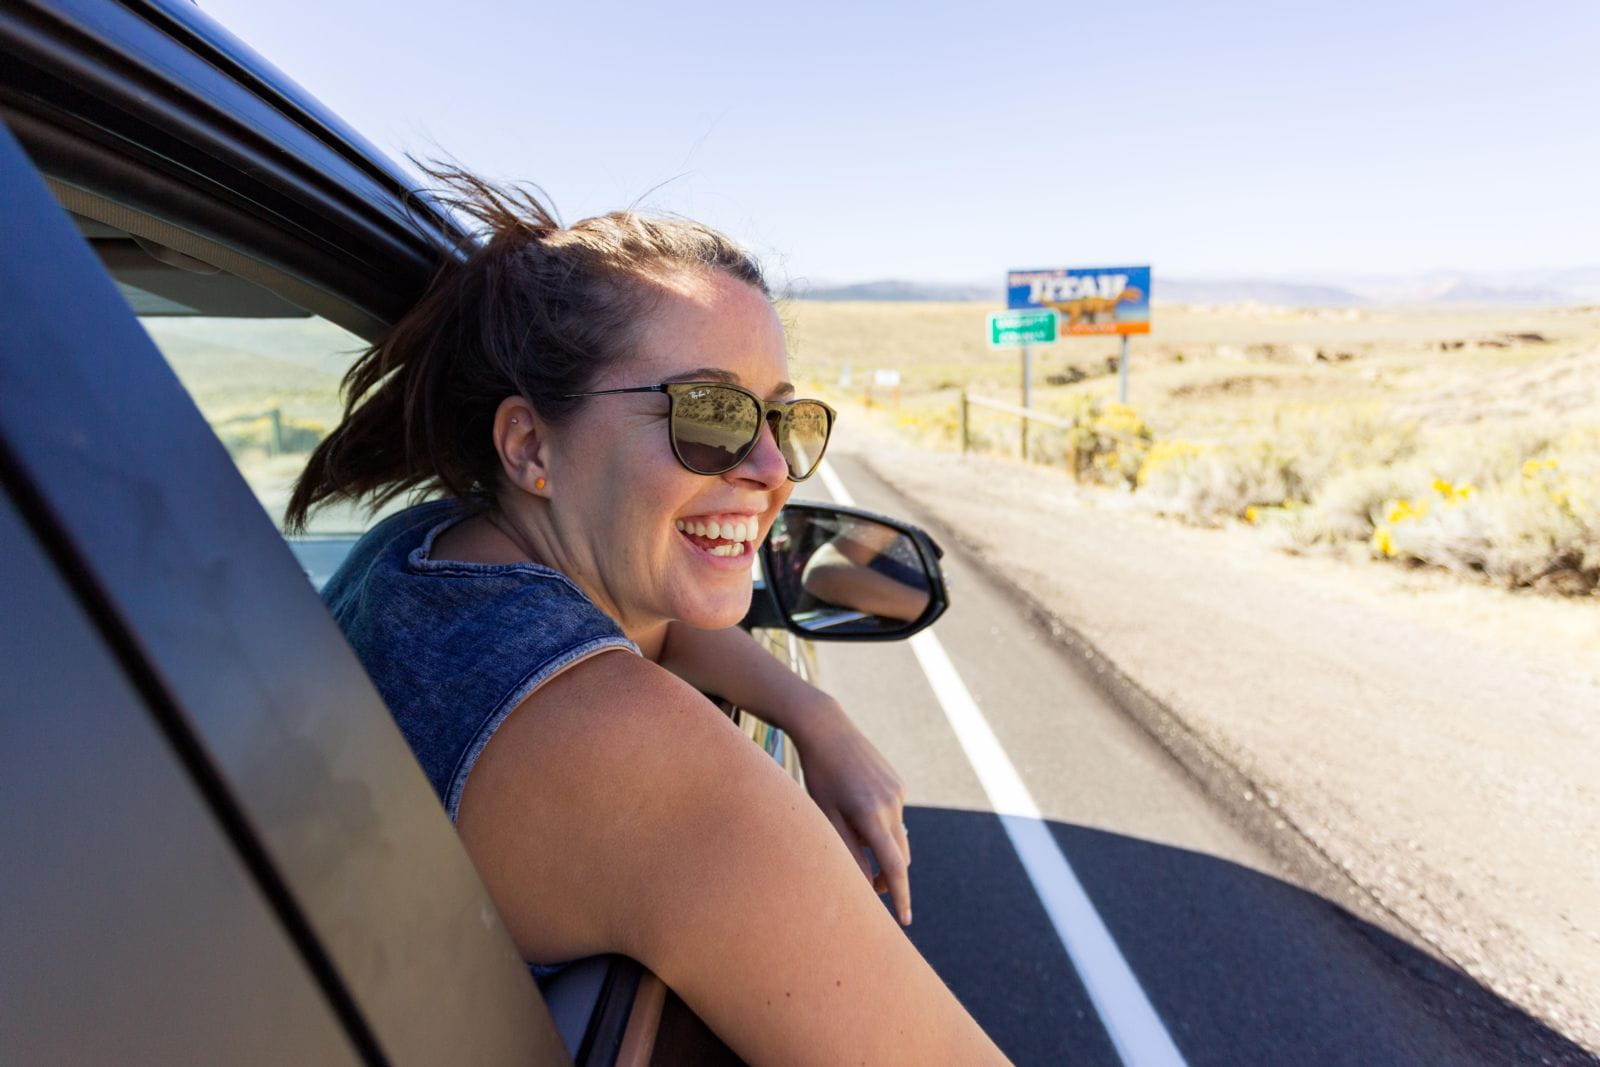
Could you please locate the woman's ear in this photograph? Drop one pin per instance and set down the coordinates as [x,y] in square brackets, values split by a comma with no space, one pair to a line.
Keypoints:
[522,439]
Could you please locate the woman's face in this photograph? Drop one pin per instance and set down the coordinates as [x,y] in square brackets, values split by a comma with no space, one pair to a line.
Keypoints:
[647,539]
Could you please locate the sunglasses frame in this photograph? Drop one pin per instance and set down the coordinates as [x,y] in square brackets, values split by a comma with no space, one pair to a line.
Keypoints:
[765,410]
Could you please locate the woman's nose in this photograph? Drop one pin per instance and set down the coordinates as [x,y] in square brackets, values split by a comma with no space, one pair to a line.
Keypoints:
[765,464]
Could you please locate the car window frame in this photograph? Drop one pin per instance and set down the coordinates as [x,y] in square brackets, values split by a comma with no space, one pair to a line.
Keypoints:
[119,474]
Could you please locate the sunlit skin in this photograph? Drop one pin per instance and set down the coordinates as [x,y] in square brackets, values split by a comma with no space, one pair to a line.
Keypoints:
[606,515]
[623,548]
[617,810]
[599,495]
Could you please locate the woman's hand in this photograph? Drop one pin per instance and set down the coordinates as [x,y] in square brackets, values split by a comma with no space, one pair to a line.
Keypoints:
[861,795]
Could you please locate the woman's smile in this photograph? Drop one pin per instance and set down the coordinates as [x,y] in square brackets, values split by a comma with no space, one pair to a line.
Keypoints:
[616,480]
[722,537]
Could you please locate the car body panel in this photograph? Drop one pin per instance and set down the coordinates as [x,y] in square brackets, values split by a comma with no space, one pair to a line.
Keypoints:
[119,474]
[126,904]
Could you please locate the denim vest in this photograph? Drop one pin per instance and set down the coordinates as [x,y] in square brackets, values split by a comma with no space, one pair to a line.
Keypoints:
[454,647]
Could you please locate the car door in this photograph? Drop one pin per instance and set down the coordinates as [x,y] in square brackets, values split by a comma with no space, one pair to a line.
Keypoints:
[214,827]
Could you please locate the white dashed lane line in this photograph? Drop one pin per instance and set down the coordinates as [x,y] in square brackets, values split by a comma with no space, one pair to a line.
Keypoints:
[1140,1038]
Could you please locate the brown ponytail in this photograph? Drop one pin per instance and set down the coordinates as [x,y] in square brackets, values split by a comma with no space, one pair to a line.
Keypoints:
[533,309]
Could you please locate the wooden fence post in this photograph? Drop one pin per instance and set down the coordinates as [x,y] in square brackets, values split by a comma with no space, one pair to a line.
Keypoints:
[963,422]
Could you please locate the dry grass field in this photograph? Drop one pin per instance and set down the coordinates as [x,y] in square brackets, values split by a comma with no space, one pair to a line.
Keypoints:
[1466,438]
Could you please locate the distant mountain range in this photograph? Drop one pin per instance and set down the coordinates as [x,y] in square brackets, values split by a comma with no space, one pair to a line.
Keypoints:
[895,289]
[1576,285]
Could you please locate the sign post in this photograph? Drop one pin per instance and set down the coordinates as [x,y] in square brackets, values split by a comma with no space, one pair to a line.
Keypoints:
[1122,373]
[1011,328]
[1089,301]
[1027,393]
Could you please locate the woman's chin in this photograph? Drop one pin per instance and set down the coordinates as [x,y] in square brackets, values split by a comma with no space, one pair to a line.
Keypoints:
[717,613]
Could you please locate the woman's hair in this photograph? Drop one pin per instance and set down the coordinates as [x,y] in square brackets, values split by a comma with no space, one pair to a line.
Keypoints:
[532,309]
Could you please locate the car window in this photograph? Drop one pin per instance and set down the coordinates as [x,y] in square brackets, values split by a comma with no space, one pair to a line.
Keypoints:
[269,388]
[263,371]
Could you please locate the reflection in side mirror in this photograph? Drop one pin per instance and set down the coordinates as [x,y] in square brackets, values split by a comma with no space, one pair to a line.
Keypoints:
[840,573]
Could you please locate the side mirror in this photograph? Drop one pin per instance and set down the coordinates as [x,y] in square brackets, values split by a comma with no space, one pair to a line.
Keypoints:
[843,574]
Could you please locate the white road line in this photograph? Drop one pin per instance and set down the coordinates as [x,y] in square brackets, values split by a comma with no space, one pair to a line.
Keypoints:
[1135,1029]
[836,488]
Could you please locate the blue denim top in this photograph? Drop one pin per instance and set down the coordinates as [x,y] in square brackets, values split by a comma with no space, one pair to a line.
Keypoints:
[454,647]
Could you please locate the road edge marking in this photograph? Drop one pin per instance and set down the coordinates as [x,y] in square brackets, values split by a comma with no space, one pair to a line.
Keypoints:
[835,487]
[1130,1020]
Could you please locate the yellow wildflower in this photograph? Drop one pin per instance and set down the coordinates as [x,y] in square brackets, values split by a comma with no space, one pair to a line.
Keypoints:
[1163,453]
[1398,511]
[1383,541]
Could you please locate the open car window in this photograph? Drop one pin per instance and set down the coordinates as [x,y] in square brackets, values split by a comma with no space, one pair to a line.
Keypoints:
[264,372]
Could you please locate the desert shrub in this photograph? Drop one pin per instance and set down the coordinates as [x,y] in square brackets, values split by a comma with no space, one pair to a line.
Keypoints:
[931,427]
[1538,528]
[1105,443]
[1346,507]
[991,432]
[1326,445]
[1277,468]
[1206,483]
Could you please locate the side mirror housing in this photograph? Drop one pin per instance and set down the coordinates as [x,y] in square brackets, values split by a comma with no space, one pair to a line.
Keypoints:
[843,574]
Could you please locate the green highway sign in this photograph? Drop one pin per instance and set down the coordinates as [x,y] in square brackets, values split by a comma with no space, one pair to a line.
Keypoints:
[1028,327]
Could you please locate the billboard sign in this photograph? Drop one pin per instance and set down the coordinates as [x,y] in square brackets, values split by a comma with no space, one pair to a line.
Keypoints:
[1090,300]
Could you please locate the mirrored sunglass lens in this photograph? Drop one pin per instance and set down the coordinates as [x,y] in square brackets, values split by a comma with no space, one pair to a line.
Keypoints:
[711,426]
[805,436]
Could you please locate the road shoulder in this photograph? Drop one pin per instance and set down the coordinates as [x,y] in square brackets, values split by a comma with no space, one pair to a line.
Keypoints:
[1421,750]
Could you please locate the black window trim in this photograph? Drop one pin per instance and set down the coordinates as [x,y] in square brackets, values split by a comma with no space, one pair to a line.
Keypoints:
[152,106]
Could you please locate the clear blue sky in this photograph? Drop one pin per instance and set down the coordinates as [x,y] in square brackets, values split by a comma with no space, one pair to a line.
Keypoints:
[952,141]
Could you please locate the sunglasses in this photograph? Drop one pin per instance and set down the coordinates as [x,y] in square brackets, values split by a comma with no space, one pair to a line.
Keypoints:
[714,426]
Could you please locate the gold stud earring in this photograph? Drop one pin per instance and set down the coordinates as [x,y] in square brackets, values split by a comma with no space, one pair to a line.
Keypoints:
[538,483]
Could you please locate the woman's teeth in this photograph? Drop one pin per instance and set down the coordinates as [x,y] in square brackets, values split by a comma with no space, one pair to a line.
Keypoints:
[738,531]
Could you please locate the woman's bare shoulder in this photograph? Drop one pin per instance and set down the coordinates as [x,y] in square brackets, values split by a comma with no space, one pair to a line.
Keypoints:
[619,811]
[616,711]
[611,759]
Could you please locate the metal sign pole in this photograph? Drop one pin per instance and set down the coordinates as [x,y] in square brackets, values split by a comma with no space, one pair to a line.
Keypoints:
[1027,393]
[1122,373]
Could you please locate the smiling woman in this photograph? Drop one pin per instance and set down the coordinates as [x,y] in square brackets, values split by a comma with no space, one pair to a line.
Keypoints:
[604,410]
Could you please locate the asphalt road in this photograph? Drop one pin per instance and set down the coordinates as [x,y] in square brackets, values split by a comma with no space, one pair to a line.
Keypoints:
[1240,965]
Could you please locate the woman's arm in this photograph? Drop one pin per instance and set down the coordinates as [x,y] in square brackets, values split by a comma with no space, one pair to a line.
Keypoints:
[618,811]
[846,775]
[832,575]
